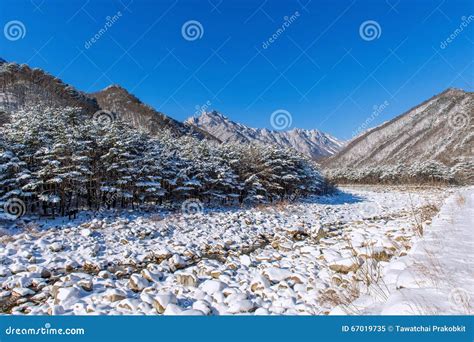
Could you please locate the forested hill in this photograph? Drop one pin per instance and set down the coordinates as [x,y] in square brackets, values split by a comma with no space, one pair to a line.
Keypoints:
[22,87]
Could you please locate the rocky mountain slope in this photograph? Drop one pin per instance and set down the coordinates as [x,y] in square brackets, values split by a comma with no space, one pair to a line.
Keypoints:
[23,87]
[434,138]
[312,143]
[130,109]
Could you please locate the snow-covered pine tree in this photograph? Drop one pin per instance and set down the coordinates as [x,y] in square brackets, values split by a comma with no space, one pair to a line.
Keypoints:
[61,160]
[13,175]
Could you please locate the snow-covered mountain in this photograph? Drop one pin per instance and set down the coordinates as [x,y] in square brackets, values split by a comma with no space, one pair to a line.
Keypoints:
[312,143]
[22,87]
[432,137]
[140,115]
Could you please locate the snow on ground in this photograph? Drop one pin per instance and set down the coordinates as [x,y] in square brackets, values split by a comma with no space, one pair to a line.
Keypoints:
[437,275]
[309,257]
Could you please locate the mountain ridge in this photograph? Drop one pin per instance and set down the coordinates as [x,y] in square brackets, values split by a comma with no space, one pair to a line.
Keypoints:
[313,143]
[22,86]
[131,109]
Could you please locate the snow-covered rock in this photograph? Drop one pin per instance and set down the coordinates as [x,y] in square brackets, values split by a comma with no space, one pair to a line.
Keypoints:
[231,263]
[186,279]
[56,247]
[22,291]
[86,232]
[161,301]
[276,275]
[176,262]
[345,265]
[212,286]
[138,283]
[114,295]
[67,296]
[241,306]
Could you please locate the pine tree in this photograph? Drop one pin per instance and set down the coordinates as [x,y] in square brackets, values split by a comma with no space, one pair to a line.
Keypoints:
[60,160]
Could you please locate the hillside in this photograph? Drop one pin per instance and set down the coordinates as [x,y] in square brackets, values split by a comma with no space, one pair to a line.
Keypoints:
[432,141]
[22,87]
[131,110]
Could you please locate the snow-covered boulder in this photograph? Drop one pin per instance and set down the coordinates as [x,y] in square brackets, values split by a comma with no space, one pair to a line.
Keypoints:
[212,286]
[161,301]
[345,265]
[138,283]
[275,274]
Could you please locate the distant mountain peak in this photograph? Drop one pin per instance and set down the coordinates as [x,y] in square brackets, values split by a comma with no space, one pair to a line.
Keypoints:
[2,61]
[113,87]
[313,143]
[213,114]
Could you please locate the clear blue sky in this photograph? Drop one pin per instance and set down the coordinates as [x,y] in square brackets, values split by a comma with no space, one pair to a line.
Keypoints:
[319,69]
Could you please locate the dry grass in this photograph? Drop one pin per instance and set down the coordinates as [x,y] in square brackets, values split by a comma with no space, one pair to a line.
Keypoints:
[460,200]
[344,296]
[369,275]
[427,212]
[421,215]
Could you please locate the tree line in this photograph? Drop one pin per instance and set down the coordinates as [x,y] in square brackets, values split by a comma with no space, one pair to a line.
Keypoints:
[62,160]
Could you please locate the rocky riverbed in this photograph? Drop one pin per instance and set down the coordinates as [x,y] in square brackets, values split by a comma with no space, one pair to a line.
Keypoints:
[307,257]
